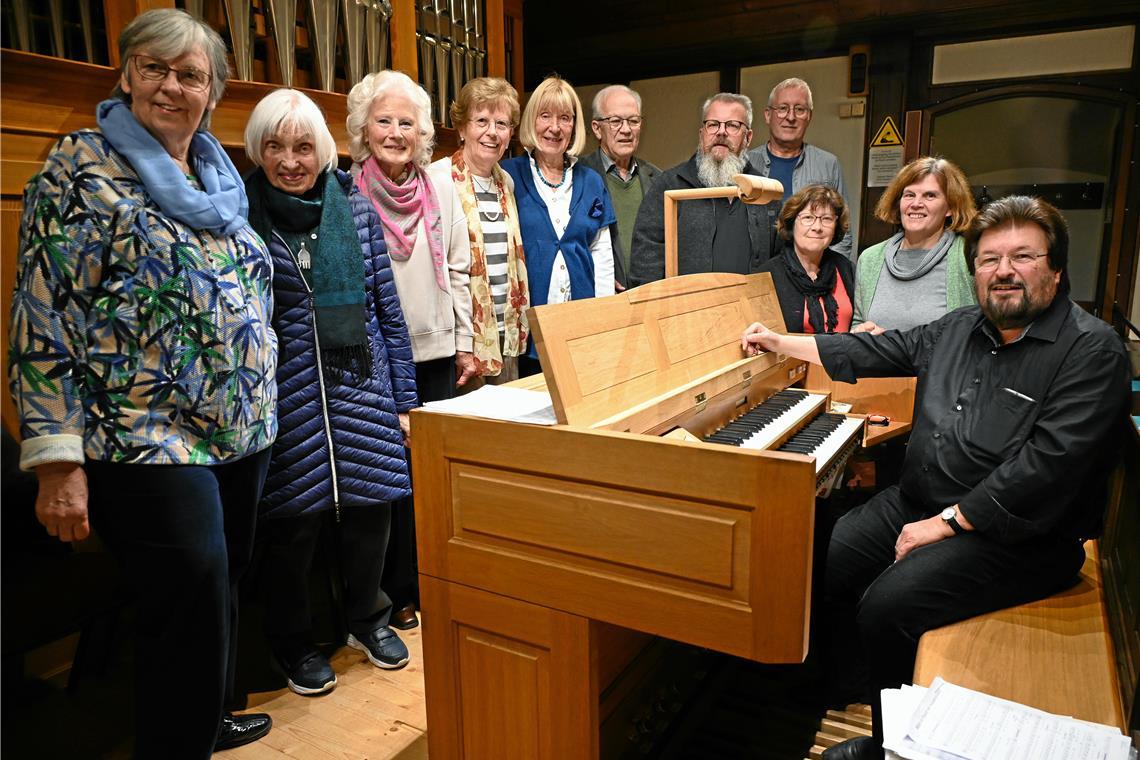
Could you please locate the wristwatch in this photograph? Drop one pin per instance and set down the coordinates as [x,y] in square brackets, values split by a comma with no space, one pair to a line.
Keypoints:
[950,517]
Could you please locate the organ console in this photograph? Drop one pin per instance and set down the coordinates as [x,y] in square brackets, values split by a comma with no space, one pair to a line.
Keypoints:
[675,498]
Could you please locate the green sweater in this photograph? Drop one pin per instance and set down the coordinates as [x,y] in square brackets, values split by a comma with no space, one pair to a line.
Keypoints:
[626,197]
[959,282]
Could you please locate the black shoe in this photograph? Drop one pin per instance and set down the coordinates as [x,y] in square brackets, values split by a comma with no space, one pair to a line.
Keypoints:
[404,618]
[383,648]
[237,730]
[859,748]
[309,673]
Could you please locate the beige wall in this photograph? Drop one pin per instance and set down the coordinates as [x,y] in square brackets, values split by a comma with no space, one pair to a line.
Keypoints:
[828,80]
[671,107]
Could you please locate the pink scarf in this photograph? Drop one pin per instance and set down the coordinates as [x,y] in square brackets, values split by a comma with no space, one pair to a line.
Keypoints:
[401,207]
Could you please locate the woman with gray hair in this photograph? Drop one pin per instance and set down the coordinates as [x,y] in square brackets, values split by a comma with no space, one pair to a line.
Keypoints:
[390,138]
[346,385]
[143,370]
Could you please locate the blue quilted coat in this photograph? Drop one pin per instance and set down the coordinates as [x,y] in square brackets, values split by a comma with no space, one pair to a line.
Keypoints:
[365,464]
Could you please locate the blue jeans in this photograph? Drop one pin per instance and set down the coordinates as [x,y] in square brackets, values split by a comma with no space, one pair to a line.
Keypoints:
[184,536]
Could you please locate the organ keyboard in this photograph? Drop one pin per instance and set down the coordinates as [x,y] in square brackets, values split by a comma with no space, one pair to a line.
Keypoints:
[546,553]
[793,421]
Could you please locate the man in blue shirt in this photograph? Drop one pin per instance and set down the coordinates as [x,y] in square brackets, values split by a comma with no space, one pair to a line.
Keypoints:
[787,158]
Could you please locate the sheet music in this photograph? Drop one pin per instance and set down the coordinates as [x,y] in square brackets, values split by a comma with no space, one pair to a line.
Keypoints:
[954,722]
[498,402]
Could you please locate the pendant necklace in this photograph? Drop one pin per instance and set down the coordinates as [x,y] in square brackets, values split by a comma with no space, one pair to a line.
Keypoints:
[304,260]
[490,216]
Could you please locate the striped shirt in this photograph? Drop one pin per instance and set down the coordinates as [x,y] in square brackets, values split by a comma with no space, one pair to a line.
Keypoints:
[494,242]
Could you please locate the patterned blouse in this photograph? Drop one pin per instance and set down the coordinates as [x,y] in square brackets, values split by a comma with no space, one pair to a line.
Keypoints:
[134,338]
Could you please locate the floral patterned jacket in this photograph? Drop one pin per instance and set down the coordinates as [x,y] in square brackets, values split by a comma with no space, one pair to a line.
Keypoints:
[134,338]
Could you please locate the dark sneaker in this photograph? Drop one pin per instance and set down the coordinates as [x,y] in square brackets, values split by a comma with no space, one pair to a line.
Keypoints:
[309,674]
[383,648]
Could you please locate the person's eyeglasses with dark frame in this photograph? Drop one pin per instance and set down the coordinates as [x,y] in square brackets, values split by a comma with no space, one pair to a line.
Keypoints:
[732,127]
[155,70]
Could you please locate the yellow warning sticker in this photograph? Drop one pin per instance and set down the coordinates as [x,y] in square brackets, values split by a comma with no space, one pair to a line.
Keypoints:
[888,134]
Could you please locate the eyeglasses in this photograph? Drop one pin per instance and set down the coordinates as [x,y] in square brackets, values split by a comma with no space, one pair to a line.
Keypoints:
[1020,260]
[563,119]
[483,123]
[154,70]
[807,220]
[783,110]
[712,126]
[616,122]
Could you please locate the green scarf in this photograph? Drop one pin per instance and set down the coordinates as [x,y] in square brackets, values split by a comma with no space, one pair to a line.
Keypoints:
[338,266]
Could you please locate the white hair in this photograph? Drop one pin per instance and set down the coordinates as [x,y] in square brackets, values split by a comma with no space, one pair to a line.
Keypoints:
[605,92]
[378,85]
[286,111]
[730,97]
[787,84]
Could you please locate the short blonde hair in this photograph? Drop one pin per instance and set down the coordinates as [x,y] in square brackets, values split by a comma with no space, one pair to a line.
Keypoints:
[286,111]
[950,178]
[553,94]
[485,92]
[379,85]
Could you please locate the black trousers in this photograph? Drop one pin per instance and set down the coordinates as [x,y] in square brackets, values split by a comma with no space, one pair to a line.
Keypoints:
[435,381]
[362,541]
[184,536]
[879,608]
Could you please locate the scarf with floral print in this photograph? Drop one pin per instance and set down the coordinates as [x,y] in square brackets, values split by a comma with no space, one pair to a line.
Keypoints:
[488,358]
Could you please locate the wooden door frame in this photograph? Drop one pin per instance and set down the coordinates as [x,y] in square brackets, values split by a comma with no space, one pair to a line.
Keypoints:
[1118,267]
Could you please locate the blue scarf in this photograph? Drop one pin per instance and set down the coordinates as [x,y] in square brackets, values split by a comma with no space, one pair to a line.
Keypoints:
[221,208]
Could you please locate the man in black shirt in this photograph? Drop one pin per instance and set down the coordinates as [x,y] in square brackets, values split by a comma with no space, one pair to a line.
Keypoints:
[1016,404]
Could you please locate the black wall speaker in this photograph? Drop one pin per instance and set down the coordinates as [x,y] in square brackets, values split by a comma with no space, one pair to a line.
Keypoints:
[858,71]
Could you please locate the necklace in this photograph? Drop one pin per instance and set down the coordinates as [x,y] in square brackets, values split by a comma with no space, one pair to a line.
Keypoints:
[547,182]
[488,216]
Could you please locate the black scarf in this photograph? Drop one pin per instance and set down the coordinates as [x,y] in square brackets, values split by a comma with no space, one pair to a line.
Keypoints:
[822,286]
[338,265]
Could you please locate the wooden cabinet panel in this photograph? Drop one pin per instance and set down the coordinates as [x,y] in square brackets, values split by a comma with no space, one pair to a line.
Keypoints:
[508,679]
[559,517]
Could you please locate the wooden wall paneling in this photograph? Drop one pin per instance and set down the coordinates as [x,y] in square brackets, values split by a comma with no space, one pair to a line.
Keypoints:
[1119,267]
[402,33]
[494,25]
[506,679]
[10,211]
[118,13]
[890,67]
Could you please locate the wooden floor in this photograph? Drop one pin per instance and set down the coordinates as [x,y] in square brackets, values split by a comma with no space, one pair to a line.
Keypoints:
[372,713]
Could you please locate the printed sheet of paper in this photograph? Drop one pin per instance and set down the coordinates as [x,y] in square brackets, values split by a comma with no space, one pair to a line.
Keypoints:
[969,724]
[498,402]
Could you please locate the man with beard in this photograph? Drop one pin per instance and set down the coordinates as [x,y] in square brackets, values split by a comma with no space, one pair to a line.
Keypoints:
[786,157]
[1013,436]
[714,235]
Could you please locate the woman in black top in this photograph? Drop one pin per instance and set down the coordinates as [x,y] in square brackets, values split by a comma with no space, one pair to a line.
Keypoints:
[815,284]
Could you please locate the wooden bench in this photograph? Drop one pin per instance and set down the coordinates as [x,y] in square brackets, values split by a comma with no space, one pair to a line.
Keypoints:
[1054,654]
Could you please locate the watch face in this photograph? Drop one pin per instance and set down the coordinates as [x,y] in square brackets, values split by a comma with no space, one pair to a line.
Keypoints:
[949,513]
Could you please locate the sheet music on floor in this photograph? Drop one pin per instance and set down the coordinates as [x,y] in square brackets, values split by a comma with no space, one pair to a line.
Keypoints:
[499,402]
[950,722]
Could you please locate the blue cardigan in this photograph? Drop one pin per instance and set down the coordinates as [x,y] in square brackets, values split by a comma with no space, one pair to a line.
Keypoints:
[371,467]
[590,211]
